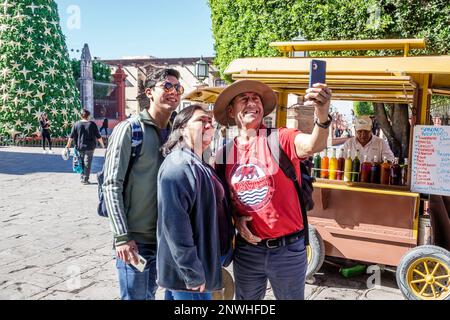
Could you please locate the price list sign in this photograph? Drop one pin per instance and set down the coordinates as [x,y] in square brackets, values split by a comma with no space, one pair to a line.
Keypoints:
[430,172]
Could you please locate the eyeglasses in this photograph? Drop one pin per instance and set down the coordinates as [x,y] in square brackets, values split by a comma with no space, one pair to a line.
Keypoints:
[169,87]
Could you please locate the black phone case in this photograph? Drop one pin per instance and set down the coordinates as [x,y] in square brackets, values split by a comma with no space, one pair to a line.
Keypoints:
[317,72]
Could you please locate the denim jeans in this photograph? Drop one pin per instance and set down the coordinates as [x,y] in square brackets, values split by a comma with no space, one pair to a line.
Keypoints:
[86,163]
[285,267]
[184,295]
[136,285]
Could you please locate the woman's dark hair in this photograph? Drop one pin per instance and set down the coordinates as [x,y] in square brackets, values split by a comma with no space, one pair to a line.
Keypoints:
[179,123]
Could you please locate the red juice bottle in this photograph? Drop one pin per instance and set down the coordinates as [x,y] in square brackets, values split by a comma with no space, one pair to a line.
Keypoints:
[366,167]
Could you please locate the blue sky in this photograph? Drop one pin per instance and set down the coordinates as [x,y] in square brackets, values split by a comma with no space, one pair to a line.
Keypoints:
[117,28]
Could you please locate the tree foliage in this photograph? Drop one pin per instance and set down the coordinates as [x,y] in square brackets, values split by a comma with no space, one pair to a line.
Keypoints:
[36,74]
[363,108]
[244,28]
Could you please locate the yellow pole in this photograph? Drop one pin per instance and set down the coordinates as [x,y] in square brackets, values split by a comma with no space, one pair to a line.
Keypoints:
[424,100]
[405,50]
[282,109]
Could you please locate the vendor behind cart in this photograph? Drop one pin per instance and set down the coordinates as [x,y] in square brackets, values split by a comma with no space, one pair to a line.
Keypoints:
[367,143]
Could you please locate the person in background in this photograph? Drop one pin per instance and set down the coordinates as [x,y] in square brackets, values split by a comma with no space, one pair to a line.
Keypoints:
[85,134]
[366,142]
[44,125]
[104,127]
[194,223]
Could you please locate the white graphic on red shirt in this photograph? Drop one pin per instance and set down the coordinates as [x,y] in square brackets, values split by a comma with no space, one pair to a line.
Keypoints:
[252,185]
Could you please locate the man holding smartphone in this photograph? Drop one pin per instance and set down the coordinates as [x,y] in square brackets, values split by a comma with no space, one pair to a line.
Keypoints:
[130,191]
[271,240]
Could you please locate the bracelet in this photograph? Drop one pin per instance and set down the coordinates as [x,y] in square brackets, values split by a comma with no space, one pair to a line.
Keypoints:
[326,124]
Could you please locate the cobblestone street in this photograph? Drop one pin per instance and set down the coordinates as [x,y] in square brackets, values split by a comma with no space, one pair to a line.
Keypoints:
[56,247]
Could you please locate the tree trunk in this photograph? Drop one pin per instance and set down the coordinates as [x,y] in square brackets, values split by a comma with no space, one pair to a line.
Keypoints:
[401,127]
[382,118]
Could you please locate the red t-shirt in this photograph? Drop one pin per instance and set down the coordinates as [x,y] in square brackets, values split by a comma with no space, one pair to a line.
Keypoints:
[259,188]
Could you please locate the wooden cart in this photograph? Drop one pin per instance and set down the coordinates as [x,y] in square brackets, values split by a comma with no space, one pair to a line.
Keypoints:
[370,223]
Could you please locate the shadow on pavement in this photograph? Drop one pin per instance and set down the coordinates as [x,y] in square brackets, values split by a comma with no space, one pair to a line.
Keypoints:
[19,163]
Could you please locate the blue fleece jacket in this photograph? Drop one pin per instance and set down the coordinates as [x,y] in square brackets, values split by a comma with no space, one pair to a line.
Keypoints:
[188,252]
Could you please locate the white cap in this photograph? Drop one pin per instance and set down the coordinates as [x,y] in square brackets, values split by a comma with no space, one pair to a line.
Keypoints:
[363,123]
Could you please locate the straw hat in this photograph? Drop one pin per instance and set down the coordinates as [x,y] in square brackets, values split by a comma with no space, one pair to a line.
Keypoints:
[268,98]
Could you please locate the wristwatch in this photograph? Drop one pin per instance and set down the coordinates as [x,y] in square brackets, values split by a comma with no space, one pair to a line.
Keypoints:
[326,124]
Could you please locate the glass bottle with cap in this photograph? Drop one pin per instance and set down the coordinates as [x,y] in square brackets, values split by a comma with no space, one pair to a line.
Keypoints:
[324,165]
[385,171]
[333,166]
[341,166]
[356,167]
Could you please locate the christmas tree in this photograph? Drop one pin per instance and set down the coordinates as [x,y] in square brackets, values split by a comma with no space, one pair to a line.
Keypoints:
[35,70]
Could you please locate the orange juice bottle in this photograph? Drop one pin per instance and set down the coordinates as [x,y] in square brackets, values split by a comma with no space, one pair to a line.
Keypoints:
[333,166]
[385,174]
[348,167]
[324,165]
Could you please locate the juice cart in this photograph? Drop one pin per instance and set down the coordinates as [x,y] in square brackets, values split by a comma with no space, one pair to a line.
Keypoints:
[369,223]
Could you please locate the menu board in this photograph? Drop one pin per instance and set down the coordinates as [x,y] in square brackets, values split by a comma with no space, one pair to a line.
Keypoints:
[430,172]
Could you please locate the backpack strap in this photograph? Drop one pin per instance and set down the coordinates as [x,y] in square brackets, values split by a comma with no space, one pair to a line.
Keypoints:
[285,164]
[137,137]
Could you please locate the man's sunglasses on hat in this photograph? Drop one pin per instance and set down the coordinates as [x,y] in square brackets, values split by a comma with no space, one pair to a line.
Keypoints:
[169,87]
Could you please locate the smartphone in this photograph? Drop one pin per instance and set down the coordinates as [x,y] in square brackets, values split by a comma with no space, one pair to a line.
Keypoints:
[317,72]
[140,265]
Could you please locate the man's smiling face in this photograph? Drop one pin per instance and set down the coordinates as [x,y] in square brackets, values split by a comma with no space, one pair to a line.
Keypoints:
[247,110]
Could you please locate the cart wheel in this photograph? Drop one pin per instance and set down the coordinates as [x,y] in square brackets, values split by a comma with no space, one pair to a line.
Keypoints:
[315,252]
[227,293]
[424,273]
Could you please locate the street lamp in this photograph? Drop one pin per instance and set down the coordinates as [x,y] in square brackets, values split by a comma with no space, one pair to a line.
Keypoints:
[201,69]
[299,54]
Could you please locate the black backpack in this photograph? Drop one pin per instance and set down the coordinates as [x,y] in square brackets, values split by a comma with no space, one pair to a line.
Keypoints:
[304,192]
[136,146]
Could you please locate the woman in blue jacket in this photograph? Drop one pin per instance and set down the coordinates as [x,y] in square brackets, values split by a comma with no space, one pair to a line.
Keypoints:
[194,225]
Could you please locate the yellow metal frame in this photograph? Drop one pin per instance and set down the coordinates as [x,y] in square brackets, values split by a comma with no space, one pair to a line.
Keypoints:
[367,190]
[393,44]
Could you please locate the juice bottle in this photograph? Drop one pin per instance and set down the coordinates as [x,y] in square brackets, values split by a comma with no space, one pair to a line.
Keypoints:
[324,165]
[333,166]
[341,166]
[404,167]
[396,173]
[356,166]
[366,167]
[316,170]
[348,167]
[375,171]
[385,171]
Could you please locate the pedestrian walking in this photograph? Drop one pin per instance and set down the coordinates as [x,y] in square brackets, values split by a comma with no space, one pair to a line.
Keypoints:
[85,135]
[44,125]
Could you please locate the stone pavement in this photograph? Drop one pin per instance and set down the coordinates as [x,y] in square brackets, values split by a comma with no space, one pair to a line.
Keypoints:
[54,246]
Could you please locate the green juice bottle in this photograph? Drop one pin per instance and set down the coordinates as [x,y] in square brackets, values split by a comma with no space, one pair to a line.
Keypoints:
[356,166]
[317,161]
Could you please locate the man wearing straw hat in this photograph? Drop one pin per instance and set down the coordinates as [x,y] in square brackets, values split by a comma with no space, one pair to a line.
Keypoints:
[271,235]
